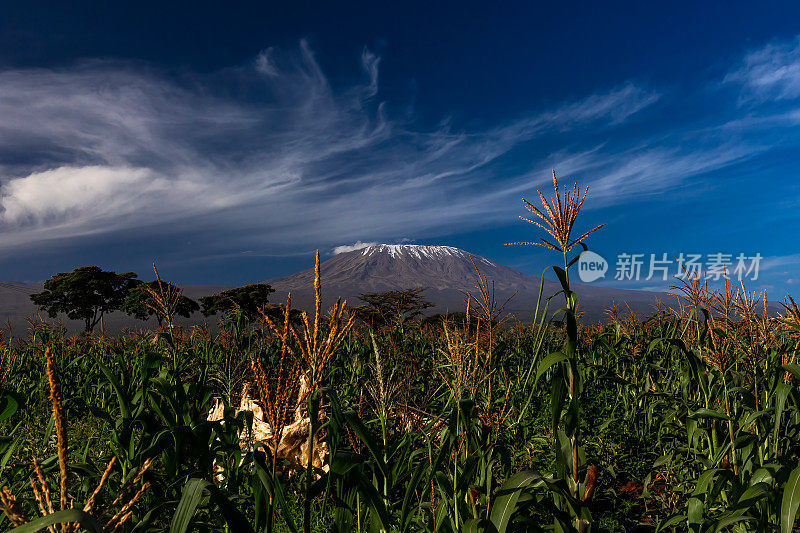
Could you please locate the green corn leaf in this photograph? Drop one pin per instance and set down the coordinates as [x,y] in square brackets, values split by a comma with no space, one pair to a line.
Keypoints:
[562,277]
[791,501]
[375,502]
[48,432]
[410,492]
[708,413]
[781,394]
[478,525]
[559,395]
[751,496]
[10,452]
[124,406]
[190,499]
[547,362]
[505,504]
[694,515]
[86,521]
[724,523]
[10,405]
[671,521]
[762,475]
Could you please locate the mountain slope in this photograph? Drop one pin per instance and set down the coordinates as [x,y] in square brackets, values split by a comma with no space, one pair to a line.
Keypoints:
[446,272]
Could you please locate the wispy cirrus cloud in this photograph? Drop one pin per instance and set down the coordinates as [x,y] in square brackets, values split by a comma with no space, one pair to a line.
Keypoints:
[272,155]
[788,262]
[267,153]
[771,72]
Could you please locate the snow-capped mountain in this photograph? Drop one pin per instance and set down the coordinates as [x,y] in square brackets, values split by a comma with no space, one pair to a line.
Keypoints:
[446,272]
[418,251]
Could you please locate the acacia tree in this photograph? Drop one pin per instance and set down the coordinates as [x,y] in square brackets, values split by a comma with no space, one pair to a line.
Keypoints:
[140,304]
[249,299]
[392,307]
[86,293]
[277,313]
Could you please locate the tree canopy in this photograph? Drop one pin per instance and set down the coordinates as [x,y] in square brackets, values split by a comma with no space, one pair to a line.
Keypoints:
[392,307]
[277,313]
[86,293]
[249,299]
[139,303]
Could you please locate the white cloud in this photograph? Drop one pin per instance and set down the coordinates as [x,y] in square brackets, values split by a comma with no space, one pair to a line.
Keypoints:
[617,105]
[265,63]
[770,73]
[358,245]
[62,192]
[781,261]
[109,146]
[650,171]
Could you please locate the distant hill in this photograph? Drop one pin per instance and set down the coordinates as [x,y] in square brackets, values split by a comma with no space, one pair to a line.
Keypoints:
[447,272]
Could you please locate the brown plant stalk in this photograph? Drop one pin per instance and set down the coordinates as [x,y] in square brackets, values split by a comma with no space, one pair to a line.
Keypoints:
[316,349]
[60,422]
[165,300]
[278,394]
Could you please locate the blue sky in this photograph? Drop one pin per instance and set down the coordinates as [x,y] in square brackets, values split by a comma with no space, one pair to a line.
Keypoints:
[229,142]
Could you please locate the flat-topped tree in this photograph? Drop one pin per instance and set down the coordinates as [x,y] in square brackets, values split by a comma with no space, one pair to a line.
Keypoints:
[392,307]
[141,305]
[86,293]
[249,299]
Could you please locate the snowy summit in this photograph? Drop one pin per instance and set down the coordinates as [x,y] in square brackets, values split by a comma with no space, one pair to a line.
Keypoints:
[418,251]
